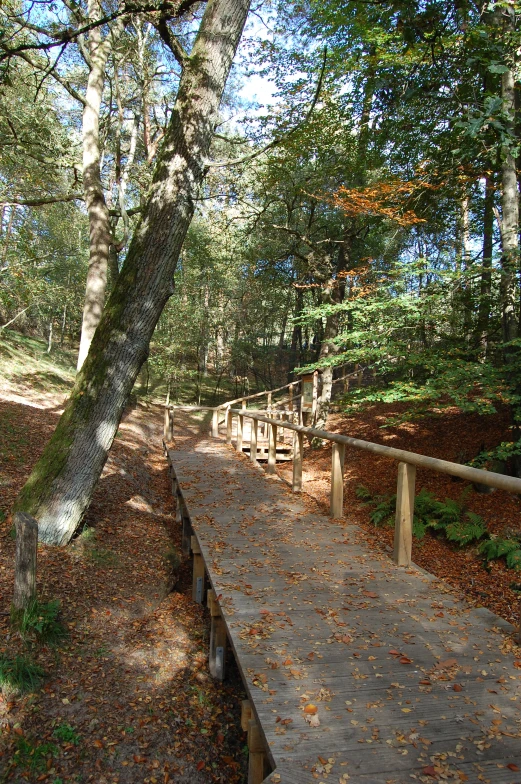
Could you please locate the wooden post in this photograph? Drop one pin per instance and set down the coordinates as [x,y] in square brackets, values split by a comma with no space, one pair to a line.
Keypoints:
[256,758]
[337,480]
[215,423]
[170,436]
[272,448]
[298,447]
[186,535]
[218,639]
[315,394]
[25,560]
[240,425]
[404,514]
[198,573]
[245,715]
[253,440]
[290,402]
[166,422]
[229,425]
[346,385]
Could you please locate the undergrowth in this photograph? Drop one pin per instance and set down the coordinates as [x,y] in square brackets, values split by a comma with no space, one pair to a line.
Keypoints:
[19,675]
[450,518]
[39,622]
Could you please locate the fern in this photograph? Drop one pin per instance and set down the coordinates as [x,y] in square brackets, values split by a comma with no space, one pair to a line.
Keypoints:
[363,493]
[495,548]
[470,529]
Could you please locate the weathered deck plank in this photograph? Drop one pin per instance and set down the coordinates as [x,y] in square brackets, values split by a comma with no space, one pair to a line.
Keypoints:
[409,683]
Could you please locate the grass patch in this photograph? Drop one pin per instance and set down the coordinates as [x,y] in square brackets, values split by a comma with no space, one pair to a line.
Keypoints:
[40,622]
[66,734]
[34,756]
[19,675]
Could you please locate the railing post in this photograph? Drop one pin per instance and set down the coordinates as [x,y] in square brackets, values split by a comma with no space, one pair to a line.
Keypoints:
[290,402]
[229,425]
[337,480]
[272,448]
[240,424]
[298,446]
[165,423]
[168,425]
[215,423]
[253,440]
[404,514]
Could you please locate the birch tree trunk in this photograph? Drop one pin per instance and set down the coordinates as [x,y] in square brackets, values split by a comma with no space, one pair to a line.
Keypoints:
[59,489]
[99,220]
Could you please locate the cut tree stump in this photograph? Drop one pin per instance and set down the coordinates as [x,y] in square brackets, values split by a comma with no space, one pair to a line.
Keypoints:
[25,560]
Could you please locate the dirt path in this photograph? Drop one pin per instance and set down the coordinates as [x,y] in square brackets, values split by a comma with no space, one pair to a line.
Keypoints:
[127,697]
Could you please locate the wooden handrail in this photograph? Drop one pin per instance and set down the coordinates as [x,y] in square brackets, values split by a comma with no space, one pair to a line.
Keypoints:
[257,394]
[407,464]
[490,478]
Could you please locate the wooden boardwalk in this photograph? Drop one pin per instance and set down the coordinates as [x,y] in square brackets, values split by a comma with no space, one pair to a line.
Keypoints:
[408,683]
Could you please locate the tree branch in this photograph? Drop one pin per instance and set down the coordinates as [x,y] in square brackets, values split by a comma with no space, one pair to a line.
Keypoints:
[278,140]
[42,201]
[171,41]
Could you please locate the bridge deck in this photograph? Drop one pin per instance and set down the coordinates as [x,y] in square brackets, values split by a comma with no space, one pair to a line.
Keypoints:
[409,683]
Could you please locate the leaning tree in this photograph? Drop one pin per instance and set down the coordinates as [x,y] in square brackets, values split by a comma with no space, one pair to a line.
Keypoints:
[60,486]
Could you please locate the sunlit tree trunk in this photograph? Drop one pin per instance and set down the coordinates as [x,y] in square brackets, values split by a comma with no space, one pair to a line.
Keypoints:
[60,487]
[486,267]
[99,220]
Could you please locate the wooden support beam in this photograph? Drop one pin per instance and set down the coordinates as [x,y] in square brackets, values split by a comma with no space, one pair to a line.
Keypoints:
[26,528]
[257,758]
[166,422]
[298,449]
[218,639]
[337,480]
[229,426]
[272,448]
[198,581]
[246,715]
[215,423]
[404,514]
[290,401]
[253,440]
[240,426]
[186,523]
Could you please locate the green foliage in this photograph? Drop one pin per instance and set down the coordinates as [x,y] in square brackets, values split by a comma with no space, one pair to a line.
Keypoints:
[40,622]
[19,675]
[450,517]
[500,454]
[33,756]
[67,734]
[509,549]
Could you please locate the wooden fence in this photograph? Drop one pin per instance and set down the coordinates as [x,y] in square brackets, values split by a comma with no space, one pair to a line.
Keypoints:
[407,464]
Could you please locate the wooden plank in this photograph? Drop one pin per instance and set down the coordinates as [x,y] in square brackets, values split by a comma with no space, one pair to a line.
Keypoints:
[312,615]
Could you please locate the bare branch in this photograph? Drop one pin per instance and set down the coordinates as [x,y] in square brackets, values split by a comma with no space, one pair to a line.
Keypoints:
[279,139]
[42,201]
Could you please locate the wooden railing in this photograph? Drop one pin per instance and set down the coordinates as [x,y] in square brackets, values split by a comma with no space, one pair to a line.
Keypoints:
[407,464]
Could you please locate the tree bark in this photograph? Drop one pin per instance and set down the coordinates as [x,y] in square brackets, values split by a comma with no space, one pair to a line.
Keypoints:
[486,267]
[509,197]
[25,560]
[59,489]
[100,235]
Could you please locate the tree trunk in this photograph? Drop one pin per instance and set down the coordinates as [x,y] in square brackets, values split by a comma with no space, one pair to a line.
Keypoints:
[99,220]
[486,268]
[509,199]
[59,489]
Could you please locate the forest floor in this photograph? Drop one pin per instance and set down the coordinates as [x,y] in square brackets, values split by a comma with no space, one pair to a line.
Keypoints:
[127,696]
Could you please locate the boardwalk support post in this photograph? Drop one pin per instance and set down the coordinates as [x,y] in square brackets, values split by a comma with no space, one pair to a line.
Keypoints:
[184,519]
[298,446]
[218,639]
[404,514]
[256,759]
[253,440]
[198,574]
[215,423]
[272,449]
[229,425]
[168,426]
[337,480]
